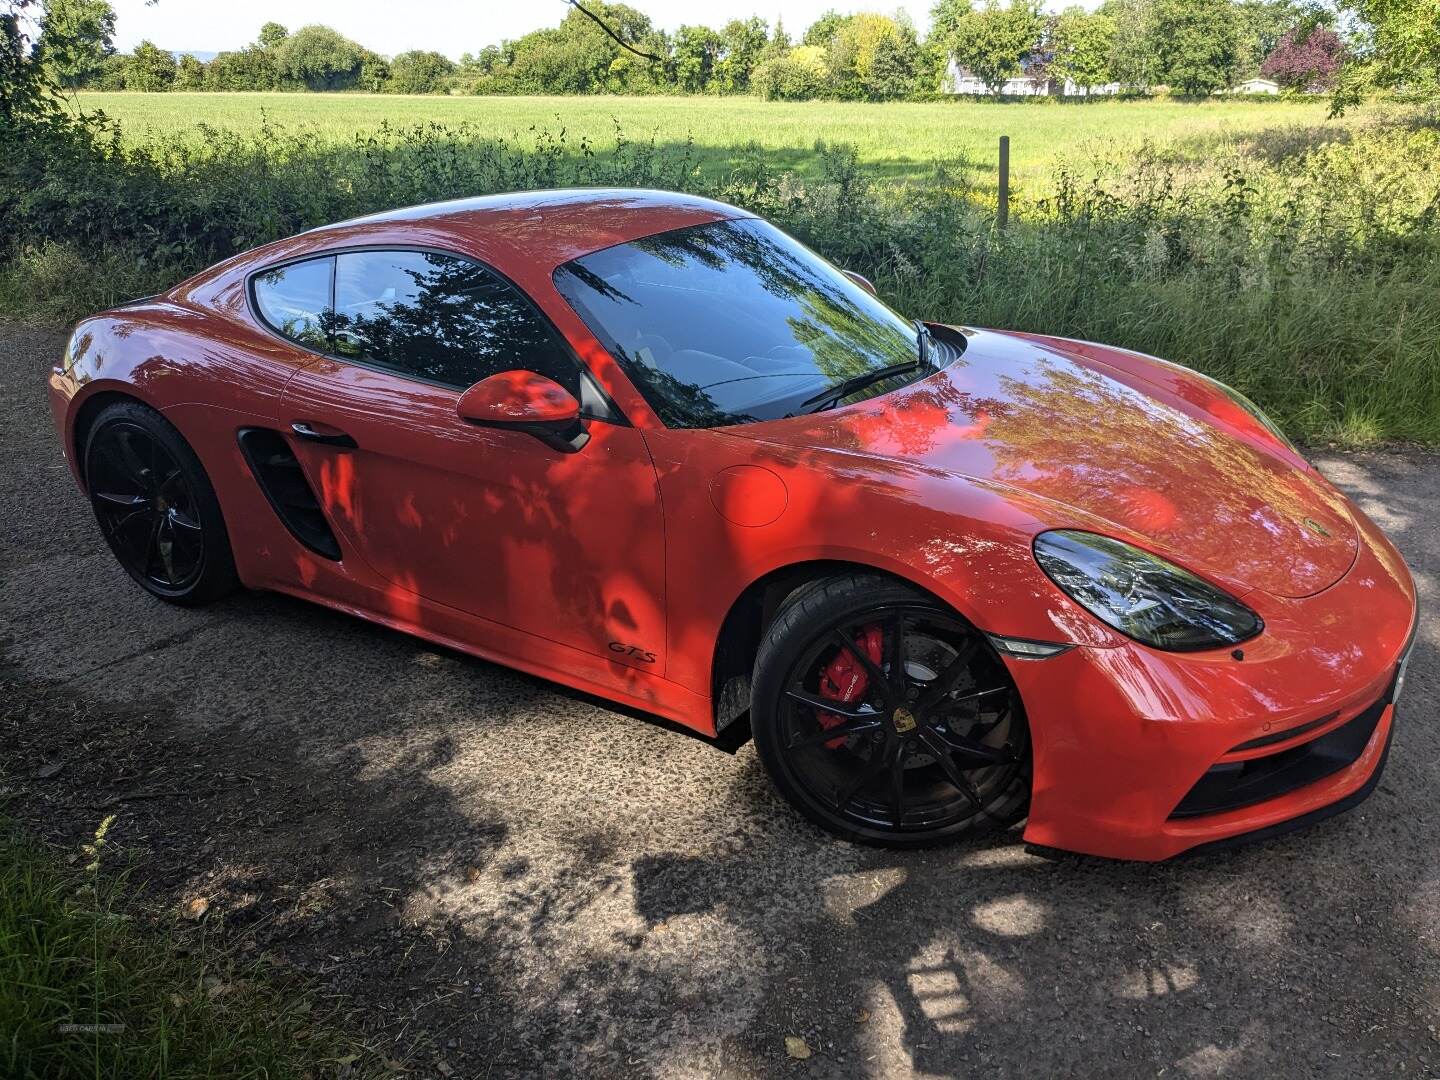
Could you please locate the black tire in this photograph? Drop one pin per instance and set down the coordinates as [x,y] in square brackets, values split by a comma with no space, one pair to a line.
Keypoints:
[933,749]
[156,507]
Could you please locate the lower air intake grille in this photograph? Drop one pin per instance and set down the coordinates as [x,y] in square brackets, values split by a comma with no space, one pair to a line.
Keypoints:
[1233,784]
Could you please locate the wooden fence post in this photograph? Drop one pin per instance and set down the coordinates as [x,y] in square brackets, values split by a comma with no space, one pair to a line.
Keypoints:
[1002,205]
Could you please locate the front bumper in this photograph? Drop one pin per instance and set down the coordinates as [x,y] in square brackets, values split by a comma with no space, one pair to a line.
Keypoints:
[61,389]
[1142,754]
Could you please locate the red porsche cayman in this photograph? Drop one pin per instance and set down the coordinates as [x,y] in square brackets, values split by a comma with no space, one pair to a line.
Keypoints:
[649,446]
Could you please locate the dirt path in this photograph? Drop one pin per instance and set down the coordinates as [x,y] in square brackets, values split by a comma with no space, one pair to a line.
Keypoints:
[513,880]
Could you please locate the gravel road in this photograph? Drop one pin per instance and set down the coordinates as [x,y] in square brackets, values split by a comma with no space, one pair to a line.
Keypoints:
[502,877]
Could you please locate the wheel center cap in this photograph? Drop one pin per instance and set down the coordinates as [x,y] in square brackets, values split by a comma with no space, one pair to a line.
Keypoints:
[904,720]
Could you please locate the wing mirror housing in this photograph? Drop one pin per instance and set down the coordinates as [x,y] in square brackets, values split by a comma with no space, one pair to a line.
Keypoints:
[528,402]
[861,280]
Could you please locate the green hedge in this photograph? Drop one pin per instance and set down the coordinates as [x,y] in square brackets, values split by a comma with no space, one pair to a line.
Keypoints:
[1306,273]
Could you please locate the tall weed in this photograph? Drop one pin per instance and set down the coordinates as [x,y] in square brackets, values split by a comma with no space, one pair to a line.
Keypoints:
[1303,272]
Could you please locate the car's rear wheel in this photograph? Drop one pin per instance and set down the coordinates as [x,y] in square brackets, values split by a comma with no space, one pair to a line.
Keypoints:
[885,718]
[155,505]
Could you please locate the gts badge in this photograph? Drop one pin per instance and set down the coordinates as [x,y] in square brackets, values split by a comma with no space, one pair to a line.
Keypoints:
[634,652]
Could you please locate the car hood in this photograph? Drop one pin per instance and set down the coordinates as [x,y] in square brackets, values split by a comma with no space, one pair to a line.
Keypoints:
[1134,447]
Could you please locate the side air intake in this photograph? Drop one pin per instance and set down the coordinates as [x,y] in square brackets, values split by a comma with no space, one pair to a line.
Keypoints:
[283,481]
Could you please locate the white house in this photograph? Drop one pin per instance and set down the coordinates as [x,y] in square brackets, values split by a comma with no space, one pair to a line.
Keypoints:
[961,80]
[1256,86]
[1072,89]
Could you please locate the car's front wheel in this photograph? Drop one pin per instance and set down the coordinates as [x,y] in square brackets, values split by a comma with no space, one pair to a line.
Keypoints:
[155,505]
[885,718]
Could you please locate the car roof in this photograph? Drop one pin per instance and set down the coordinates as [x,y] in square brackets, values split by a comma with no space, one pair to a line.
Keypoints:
[541,228]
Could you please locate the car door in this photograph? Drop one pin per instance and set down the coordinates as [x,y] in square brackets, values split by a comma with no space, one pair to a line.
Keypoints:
[484,520]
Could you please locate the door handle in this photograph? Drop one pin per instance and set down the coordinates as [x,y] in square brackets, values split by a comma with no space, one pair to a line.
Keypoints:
[336,438]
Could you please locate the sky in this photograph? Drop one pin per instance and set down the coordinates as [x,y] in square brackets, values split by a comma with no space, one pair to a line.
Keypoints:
[390,27]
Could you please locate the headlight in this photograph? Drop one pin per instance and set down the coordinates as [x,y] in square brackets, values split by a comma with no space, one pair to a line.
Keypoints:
[1141,595]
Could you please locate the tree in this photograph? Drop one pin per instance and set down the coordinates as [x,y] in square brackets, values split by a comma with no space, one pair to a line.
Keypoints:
[945,18]
[190,75]
[630,23]
[1398,49]
[1132,57]
[75,39]
[552,62]
[250,68]
[151,68]
[741,43]
[696,49]
[1259,26]
[419,72]
[111,75]
[822,31]
[779,43]
[992,41]
[1195,44]
[798,75]
[319,57]
[640,73]
[1306,60]
[272,34]
[894,68]
[482,63]
[576,57]
[25,87]
[871,57]
[374,71]
[1081,43]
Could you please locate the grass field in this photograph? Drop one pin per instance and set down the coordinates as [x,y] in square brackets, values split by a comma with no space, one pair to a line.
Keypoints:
[894,140]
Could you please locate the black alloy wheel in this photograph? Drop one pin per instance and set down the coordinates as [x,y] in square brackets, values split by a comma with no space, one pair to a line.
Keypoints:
[155,505]
[920,739]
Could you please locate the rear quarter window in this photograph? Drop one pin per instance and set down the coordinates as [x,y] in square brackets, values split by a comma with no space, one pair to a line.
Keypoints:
[294,300]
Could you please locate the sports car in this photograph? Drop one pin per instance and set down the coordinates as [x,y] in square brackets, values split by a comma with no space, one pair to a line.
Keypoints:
[651,447]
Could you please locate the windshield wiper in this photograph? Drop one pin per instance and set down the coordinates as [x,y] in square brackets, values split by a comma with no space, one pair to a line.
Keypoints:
[923,339]
[843,389]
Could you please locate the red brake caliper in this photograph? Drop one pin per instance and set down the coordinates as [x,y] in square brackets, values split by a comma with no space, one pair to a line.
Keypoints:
[845,680]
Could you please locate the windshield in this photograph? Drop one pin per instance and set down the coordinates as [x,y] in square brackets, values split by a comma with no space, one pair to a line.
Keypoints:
[733,322]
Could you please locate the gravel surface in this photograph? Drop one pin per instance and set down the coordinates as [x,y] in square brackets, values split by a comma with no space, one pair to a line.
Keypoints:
[503,877]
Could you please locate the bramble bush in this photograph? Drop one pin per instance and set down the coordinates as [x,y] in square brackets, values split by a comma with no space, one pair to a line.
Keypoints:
[1303,272]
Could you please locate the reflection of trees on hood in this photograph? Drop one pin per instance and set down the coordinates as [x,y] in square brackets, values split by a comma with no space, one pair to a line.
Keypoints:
[461,324]
[917,421]
[1065,427]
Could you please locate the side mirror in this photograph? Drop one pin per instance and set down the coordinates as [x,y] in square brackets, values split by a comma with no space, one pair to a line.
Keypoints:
[861,280]
[525,401]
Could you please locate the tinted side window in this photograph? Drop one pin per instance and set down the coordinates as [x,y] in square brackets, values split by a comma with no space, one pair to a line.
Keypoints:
[294,299]
[441,318]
